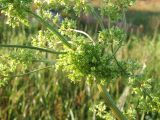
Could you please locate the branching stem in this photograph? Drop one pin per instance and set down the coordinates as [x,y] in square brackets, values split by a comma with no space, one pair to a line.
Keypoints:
[27,73]
[109,101]
[31,47]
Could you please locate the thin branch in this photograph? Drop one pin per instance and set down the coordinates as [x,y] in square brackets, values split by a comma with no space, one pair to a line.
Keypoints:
[31,47]
[27,73]
[114,57]
[118,47]
[84,33]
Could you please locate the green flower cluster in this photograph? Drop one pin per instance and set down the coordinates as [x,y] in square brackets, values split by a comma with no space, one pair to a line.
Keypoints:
[114,8]
[100,110]
[24,56]
[66,26]
[73,6]
[7,66]
[17,60]
[111,36]
[44,39]
[14,10]
[95,60]
[147,95]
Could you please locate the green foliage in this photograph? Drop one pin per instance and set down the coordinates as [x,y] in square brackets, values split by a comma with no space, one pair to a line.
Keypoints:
[14,10]
[100,110]
[144,96]
[44,39]
[146,99]
[24,56]
[112,36]
[115,8]
[7,66]
[75,6]
[96,60]
[17,60]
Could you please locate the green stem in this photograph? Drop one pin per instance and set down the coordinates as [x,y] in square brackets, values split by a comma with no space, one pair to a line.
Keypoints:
[118,114]
[84,33]
[27,73]
[34,48]
[51,28]
[114,57]
[3,8]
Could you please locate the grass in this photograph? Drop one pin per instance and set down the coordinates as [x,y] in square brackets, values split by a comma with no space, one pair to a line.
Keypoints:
[148,22]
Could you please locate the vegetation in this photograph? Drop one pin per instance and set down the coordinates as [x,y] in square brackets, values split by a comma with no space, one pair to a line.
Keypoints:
[112,75]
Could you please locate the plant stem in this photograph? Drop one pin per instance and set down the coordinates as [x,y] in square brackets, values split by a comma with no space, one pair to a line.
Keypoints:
[28,73]
[51,28]
[2,8]
[111,104]
[34,48]
[84,33]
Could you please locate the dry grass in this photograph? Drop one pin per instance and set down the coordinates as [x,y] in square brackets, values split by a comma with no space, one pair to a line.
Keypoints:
[147,5]
[142,5]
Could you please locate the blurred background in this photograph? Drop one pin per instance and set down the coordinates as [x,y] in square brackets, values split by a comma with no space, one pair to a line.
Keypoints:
[49,95]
